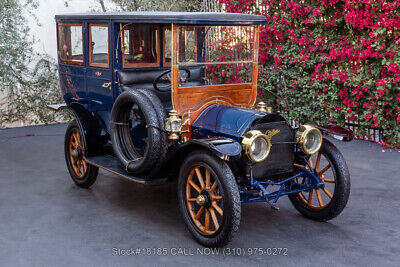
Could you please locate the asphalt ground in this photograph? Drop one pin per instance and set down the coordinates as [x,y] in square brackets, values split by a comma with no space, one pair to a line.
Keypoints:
[45,220]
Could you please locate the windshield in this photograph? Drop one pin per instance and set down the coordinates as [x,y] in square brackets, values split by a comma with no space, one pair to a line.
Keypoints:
[220,54]
[220,63]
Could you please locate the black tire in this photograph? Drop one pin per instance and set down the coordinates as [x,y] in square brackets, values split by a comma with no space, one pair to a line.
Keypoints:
[122,141]
[341,187]
[230,200]
[88,173]
[161,116]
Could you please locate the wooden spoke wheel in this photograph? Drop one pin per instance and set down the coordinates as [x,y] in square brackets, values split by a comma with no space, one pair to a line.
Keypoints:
[204,200]
[327,202]
[209,199]
[83,174]
[76,153]
[319,198]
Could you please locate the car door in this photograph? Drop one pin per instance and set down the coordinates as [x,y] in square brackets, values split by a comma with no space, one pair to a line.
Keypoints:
[72,61]
[99,71]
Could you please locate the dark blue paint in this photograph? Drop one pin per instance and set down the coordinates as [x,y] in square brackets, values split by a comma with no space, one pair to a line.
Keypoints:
[222,120]
[220,145]
[286,187]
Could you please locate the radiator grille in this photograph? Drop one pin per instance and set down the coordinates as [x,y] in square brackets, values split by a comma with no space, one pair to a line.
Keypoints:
[281,157]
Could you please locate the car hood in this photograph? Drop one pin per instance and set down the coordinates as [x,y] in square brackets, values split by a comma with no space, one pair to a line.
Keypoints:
[222,120]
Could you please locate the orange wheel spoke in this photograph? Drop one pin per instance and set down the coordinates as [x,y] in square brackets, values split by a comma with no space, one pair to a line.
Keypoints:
[187,190]
[75,138]
[217,208]
[214,186]
[207,178]
[207,221]
[329,181]
[321,204]
[73,146]
[327,193]
[82,168]
[197,216]
[310,162]
[214,218]
[324,169]
[191,199]
[299,165]
[214,197]
[199,177]
[79,138]
[195,186]
[77,168]
[317,163]
[310,197]
[84,165]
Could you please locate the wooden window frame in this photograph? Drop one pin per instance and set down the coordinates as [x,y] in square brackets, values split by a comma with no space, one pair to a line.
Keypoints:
[107,65]
[135,65]
[75,62]
[192,110]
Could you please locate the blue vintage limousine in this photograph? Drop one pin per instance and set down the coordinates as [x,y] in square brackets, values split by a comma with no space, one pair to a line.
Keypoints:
[158,96]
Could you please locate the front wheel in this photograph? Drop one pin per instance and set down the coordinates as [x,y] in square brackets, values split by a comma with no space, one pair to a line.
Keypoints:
[326,203]
[209,199]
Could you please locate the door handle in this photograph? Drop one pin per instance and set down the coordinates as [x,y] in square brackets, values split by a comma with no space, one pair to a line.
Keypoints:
[105,85]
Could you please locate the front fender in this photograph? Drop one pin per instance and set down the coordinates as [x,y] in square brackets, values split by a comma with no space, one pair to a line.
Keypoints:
[338,132]
[224,148]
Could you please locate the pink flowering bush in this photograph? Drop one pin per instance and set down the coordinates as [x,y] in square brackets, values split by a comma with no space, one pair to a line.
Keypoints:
[227,48]
[328,61]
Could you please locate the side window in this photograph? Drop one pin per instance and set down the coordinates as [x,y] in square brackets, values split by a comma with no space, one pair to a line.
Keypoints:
[141,46]
[98,49]
[188,44]
[70,40]
[167,46]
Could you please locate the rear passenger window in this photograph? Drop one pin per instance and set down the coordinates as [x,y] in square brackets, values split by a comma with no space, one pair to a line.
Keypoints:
[141,46]
[98,49]
[70,40]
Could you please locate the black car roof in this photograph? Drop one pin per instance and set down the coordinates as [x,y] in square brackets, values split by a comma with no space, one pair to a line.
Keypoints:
[169,17]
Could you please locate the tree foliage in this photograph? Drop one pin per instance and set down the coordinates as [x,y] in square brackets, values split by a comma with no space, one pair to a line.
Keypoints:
[158,5]
[28,80]
[332,61]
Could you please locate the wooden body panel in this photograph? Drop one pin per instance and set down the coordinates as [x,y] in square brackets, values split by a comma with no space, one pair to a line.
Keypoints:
[191,101]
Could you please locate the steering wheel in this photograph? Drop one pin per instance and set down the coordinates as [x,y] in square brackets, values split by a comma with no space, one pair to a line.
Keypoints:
[165,79]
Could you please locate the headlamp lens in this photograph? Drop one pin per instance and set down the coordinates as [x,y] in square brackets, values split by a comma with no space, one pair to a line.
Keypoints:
[259,148]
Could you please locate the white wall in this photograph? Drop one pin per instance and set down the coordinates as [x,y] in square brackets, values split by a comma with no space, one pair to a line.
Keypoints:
[46,33]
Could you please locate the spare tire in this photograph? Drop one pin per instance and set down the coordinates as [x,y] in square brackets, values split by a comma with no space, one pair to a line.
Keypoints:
[138,138]
[161,115]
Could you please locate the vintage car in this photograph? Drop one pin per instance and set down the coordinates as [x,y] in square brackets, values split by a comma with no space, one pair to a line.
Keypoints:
[160,95]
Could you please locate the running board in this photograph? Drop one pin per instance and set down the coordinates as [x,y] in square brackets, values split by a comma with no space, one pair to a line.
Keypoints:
[113,165]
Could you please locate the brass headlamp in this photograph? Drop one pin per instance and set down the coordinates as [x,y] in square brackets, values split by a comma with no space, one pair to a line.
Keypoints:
[173,125]
[309,139]
[256,145]
[261,106]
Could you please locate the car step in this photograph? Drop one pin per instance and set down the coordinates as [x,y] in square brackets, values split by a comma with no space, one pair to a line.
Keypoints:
[113,165]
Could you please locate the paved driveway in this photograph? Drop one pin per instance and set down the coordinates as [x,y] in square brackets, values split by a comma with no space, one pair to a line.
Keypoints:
[46,220]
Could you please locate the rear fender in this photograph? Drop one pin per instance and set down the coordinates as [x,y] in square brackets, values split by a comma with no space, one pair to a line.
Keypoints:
[90,128]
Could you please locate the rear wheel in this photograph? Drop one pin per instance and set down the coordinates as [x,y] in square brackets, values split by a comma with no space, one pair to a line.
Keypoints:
[209,199]
[83,174]
[326,203]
